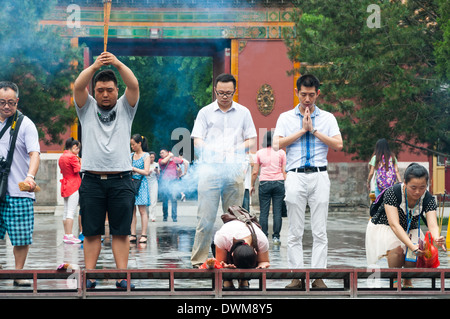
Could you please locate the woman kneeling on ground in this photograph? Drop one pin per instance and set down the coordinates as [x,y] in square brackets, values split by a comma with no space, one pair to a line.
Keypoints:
[234,248]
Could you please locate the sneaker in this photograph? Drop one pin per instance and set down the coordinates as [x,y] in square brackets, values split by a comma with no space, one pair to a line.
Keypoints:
[70,239]
[123,285]
[276,241]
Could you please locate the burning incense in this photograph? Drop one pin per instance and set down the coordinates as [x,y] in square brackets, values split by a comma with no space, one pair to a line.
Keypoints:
[106,14]
[441,211]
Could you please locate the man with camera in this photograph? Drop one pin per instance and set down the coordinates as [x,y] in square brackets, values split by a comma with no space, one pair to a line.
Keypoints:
[16,206]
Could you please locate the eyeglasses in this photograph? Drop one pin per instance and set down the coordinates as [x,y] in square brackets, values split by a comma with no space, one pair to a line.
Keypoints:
[11,103]
[224,94]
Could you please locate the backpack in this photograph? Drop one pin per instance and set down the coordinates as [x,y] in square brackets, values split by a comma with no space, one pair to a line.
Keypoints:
[238,213]
[385,178]
[398,194]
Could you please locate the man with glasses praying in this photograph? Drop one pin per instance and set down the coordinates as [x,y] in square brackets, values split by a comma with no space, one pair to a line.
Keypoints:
[223,132]
[16,210]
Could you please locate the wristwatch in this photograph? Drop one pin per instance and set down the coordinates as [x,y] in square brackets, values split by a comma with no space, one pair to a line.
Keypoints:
[29,175]
[313,131]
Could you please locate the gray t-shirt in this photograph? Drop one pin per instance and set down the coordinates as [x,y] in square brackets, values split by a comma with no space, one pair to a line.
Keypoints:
[106,136]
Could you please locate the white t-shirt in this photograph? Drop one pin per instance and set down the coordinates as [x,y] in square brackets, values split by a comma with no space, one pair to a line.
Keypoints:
[238,230]
[27,141]
[106,135]
[152,177]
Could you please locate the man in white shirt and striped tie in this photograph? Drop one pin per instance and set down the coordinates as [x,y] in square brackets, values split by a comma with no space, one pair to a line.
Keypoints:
[307,133]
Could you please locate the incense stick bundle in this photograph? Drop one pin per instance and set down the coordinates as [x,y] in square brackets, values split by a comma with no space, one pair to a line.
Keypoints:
[25,187]
[441,212]
[106,15]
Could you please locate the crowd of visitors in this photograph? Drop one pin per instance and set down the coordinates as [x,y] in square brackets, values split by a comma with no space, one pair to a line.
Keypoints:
[114,175]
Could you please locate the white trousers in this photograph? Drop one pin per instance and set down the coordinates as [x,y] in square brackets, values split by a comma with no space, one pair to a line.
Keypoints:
[312,189]
[153,189]
[70,205]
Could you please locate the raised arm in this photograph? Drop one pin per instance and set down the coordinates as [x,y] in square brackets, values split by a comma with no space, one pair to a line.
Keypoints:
[80,87]
[128,77]
[81,83]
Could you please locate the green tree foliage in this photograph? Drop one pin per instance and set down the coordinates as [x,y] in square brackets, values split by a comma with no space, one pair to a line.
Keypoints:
[443,45]
[172,91]
[380,80]
[41,62]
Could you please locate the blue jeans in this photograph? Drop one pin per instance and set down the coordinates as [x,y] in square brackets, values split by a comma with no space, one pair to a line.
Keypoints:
[168,193]
[246,200]
[271,190]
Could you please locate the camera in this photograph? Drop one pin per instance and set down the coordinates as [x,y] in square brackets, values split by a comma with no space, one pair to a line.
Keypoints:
[2,162]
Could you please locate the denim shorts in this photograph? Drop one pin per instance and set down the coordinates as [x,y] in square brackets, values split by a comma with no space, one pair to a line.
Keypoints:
[17,219]
[112,196]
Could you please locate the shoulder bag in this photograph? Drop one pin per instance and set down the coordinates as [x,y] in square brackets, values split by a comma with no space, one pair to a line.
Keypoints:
[136,181]
[5,164]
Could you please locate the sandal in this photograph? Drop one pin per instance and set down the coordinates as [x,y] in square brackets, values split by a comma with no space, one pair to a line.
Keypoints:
[133,241]
[143,241]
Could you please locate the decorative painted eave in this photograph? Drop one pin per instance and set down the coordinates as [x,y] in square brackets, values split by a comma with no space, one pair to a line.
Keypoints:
[147,22]
[183,3]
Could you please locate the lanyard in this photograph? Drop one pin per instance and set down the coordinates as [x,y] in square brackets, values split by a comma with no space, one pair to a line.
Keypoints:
[409,212]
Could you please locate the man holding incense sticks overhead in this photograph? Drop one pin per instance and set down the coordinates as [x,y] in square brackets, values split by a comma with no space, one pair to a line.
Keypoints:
[106,132]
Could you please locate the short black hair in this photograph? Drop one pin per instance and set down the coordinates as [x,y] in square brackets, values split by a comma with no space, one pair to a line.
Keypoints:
[10,85]
[243,255]
[225,77]
[105,76]
[308,80]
